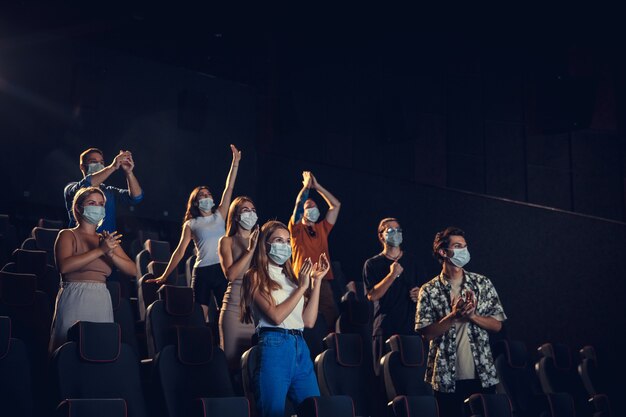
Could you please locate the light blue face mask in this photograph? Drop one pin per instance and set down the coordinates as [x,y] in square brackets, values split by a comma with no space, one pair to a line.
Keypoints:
[248,219]
[279,252]
[92,168]
[93,214]
[205,204]
[394,237]
[461,257]
[312,214]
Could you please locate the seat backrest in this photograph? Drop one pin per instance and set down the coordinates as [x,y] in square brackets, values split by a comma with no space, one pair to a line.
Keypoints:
[557,374]
[589,372]
[189,269]
[51,224]
[182,369]
[356,317]
[29,310]
[404,367]
[343,369]
[175,308]
[561,405]
[123,315]
[45,239]
[36,262]
[159,250]
[331,406]
[92,408]
[95,364]
[141,262]
[16,396]
[158,268]
[423,406]
[517,378]
[489,405]
[146,294]
[231,407]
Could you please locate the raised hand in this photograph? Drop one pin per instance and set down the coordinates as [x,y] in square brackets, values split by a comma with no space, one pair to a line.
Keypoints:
[253,239]
[236,154]
[304,275]
[109,241]
[119,159]
[307,179]
[128,164]
[396,269]
[321,268]
[314,183]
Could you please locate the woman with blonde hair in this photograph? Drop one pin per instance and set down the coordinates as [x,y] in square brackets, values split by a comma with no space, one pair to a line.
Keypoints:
[281,305]
[85,259]
[204,224]
[236,249]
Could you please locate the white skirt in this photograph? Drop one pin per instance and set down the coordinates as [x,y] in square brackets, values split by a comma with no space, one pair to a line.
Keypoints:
[79,301]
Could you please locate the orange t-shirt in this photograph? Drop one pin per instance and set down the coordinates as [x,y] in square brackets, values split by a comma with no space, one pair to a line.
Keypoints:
[307,244]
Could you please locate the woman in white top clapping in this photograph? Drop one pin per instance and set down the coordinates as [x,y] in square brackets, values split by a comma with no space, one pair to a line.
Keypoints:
[281,305]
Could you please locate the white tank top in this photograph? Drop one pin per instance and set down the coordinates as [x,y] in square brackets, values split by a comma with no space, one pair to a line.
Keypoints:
[206,232]
[294,320]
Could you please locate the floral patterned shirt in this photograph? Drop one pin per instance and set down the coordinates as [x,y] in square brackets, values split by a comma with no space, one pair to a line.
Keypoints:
[433,304]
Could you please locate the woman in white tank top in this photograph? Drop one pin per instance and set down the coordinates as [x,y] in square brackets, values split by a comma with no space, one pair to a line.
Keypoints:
[204,224]
[281,307]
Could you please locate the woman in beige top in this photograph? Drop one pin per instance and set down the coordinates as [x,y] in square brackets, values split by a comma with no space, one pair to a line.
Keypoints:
[85,259]
[235,252]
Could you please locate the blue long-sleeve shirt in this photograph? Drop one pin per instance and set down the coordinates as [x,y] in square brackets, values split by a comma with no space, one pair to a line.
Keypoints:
[112,194]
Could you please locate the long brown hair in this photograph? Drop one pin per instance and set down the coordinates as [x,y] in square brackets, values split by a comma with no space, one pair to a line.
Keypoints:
[232,225]
[192,204]
[257,278]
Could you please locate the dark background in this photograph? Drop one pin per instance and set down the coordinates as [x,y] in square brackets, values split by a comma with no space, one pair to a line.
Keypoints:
[507,123]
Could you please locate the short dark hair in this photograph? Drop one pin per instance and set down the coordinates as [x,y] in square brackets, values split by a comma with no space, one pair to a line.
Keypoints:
[442,240]
[83,155]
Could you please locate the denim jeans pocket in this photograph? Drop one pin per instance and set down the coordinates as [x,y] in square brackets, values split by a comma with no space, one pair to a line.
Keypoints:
[271,339]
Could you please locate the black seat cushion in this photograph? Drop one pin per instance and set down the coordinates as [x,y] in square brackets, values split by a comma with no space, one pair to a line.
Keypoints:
[92,408]
[179,301]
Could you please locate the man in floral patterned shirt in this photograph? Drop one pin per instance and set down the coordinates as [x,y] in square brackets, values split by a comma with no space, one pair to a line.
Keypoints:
[455,312]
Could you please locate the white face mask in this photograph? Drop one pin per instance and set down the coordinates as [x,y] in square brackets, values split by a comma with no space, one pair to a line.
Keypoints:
[312,214]
[394,237]
[205,204]
[248,219]
[461,257]
[93,214]
[279,252]
[95,167]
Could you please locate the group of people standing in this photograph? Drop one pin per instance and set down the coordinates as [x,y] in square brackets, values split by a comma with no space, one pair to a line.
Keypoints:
[272,280]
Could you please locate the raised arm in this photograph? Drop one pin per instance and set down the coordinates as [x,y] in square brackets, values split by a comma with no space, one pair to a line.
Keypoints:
[227,195]
[128,165]
[177,256]
[235,269]
[101,176]
[298,209]
[333,204]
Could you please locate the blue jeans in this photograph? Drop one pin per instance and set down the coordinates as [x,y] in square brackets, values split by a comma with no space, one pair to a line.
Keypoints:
[285,368]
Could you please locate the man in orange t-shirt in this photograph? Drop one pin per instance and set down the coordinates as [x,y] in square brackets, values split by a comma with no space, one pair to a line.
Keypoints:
[309,238]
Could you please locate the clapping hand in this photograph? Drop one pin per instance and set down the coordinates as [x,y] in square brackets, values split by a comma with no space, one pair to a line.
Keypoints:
[321,268]
[109,241]
[127,163]
[253,239]
[304,275]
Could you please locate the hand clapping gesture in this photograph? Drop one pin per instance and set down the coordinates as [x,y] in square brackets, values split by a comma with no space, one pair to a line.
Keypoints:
[109,241]
[320,268]
[253,239]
